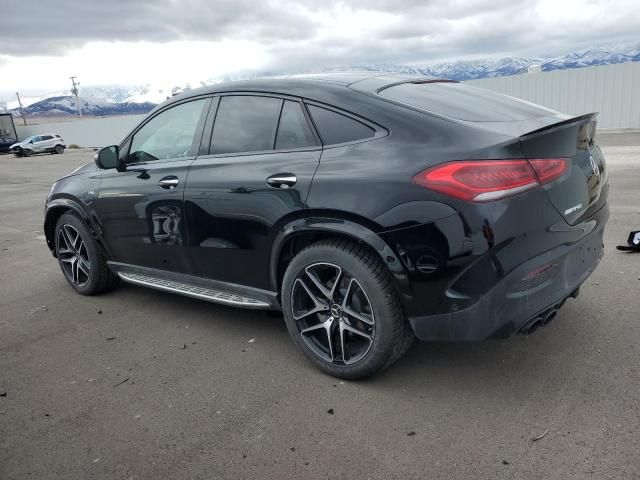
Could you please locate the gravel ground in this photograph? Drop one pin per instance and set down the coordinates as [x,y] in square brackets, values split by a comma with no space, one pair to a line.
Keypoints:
[140,384]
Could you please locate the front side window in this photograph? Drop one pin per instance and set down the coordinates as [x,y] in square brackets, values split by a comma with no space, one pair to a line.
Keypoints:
[245,124]
[335,128]
[168,134]
[293,129]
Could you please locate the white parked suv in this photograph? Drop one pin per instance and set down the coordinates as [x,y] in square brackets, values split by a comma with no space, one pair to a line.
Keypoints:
[44,143]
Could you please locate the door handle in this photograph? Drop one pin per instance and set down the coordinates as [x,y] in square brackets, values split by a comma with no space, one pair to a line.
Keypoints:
[282,180]
[169,182]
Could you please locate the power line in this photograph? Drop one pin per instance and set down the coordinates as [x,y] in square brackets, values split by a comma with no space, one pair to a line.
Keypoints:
[75,90]
[24,120]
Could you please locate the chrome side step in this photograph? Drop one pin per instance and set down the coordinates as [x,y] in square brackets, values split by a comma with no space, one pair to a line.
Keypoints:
[194,291]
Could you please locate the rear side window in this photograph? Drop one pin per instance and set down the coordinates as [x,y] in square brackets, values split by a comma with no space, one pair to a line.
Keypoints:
[47,137]
[336,128]
[293,129]
[464,102]
[245,124]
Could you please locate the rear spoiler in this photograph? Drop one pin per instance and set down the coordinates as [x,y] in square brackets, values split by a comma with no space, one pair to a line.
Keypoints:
[587,117]
[561,138]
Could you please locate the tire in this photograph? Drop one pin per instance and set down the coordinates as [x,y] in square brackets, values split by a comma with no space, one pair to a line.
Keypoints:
[26,153]
[365,307]
[88,274]
[59,149]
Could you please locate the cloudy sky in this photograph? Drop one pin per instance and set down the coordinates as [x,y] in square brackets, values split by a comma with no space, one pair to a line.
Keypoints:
[178,41]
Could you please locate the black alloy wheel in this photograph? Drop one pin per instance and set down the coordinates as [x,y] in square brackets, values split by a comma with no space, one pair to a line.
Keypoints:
[342,310]
[333,313]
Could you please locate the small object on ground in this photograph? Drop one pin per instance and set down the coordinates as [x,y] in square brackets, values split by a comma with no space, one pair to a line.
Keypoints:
[251,340]
[3,394]
[183,347]
[411,433]
[110,338]
[123,381]
[633,243]
[540,437]
[44,307]
[330,411]
[293,449]
[100,312]
[505,462]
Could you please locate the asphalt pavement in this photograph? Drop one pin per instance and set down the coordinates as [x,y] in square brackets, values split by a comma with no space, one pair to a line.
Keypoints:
[139,384]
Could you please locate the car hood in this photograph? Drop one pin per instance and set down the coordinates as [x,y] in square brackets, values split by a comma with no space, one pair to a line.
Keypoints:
[87,168]
[17,144]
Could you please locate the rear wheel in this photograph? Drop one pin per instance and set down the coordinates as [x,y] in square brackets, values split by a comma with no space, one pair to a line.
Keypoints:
[81,261]
[342,311]
[59,149]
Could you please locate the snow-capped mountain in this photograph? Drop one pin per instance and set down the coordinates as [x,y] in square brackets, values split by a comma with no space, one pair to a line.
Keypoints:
[511,66]
[157,93]
[122,99]
[474,69]
[98,100]
[66,105]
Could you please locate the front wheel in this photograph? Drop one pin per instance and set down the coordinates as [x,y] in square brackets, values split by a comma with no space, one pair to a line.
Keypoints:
[342,310]
[81,260]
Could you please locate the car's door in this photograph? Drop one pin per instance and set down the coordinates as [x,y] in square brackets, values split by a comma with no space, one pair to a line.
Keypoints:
[46,143]
[256,170]
[34,144]
[141,210]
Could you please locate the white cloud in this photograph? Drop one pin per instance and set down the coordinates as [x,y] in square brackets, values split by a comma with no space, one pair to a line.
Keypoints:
[142,41]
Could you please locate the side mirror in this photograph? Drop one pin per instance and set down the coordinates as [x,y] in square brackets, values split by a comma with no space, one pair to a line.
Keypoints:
[108,157]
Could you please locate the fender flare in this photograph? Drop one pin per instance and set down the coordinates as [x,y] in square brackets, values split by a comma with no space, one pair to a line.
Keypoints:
[76,207]
[358,232]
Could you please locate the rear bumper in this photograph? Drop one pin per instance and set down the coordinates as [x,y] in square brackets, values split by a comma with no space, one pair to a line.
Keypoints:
[517,301]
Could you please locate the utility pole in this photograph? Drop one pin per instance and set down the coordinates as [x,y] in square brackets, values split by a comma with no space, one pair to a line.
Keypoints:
[24,120]
[75,91]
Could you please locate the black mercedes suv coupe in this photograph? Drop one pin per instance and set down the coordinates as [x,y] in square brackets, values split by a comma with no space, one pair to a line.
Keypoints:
[369,209]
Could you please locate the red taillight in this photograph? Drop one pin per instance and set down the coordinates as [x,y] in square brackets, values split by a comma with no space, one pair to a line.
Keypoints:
[486,180]
[548,169]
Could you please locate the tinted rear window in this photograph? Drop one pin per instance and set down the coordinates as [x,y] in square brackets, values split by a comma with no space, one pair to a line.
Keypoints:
[336,128]
[245,124]
[464,102]
[293,130]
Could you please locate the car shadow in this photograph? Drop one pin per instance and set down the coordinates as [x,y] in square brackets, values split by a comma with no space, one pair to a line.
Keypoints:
[502,367]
